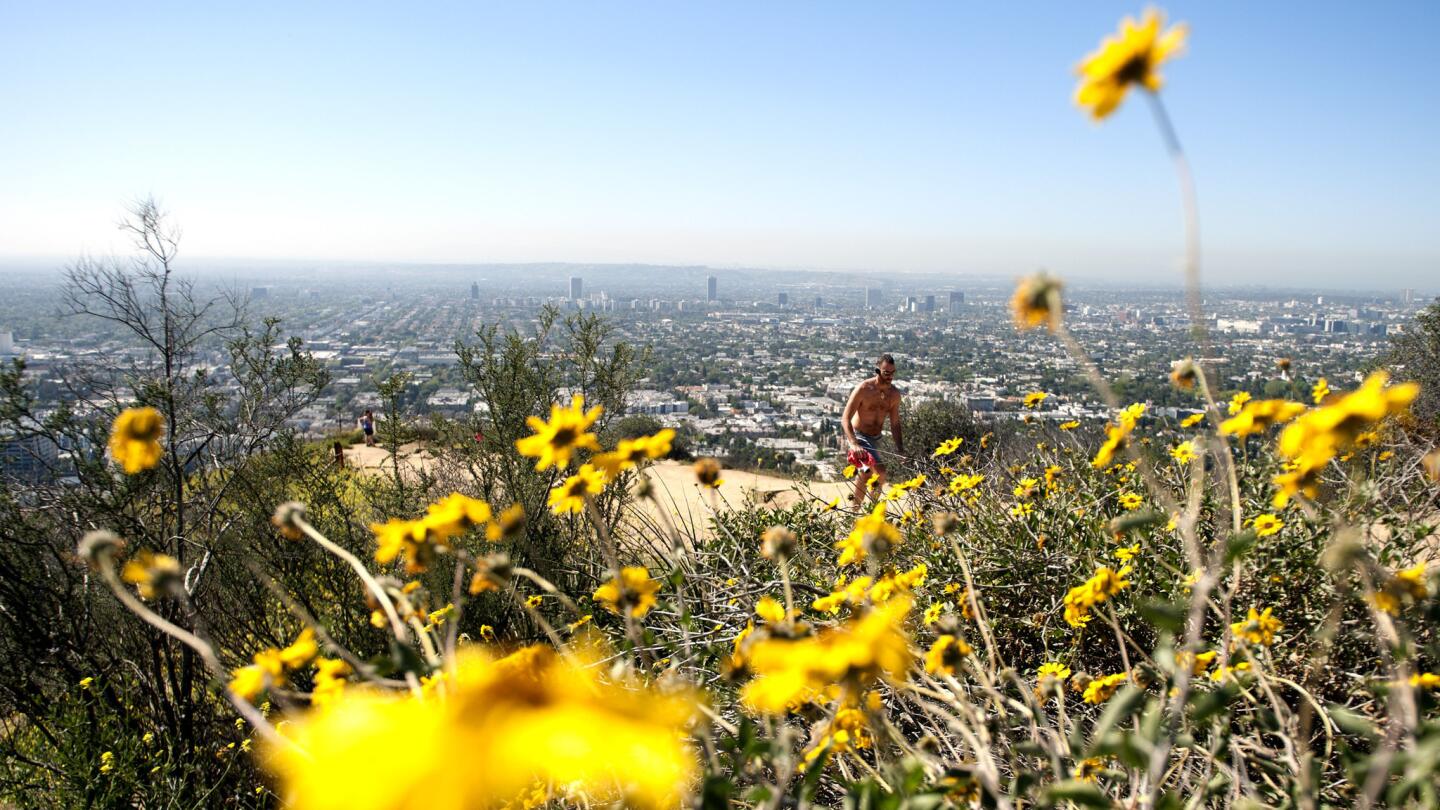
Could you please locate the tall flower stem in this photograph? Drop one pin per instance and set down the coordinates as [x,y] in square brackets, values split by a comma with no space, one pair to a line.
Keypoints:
[194,642]
[397,626]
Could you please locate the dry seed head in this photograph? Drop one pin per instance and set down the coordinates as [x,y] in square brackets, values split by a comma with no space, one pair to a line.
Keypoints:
[945,522]
[98,543]
[707,471]
[778,542]
[1183,374]
[1431,463]
[643,487]
[286,519]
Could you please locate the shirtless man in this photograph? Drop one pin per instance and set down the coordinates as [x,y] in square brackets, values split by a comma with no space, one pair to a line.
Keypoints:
[864,420]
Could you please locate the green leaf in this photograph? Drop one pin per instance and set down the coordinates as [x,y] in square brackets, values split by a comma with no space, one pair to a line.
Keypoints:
[1165,615]
[1136,521]
[715,795]
[1081,793]
[1239,545]
[1121,706]
[1352,722]
[1205,705]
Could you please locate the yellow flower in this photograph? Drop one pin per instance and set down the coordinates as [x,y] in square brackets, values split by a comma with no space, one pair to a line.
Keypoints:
[135,439]
[932,613]
[1266,525]
[1089,769]
[301,651]
[454,515]
[1258,628]
[871,534]
[1052,671]
[1197,663]
[1128,553]
[1035,398]
[899,490]
[507,524]
[1132,56]
[1100,587]
[1022,509]
[536,717]
[633,590]
[107,761]
[1026,487]
[1036,302]
[1131,501]
[408,536]
[1184,374]
[945,448]
[1222,673]
[1130,415]
[1261,415]
[1192,420]
[1071,425]
[85,683]
[793,671]
[849,471]
[770,609]
[1320,434]
[1184,452]
[946,655]
[961,483]
[555,441]
[1103,688]
[1412,581]
[1408,583]
[611,465]
[570,496]
[707,472]
[330,674]
[1425,680]
[1114,441]
[1237,402]
[249,681]
[657,445]
[150,573]
[534,601]
[272,666]
[1320,391]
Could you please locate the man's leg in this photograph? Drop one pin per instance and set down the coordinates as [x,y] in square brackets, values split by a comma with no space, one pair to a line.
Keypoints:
[879,482]
[859,496]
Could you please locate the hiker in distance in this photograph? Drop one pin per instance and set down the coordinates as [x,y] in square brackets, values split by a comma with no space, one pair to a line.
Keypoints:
[870,403]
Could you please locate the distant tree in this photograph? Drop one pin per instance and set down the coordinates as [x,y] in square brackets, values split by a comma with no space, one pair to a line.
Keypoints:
[57,624]
[517,376]
[1415,355]
[933,421]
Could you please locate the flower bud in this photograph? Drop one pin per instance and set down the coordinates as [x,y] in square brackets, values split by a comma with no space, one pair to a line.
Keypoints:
[286,519]
[778,542]
[1184,373]
[945,522]
[97,544]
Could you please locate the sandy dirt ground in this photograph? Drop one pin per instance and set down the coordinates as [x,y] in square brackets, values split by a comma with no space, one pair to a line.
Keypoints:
[675,485]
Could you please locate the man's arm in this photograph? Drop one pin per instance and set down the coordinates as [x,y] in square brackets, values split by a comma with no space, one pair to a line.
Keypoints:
[895,425]
[848,416]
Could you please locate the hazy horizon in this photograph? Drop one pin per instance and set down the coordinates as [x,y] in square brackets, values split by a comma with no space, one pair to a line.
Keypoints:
[845,138]
[279,272]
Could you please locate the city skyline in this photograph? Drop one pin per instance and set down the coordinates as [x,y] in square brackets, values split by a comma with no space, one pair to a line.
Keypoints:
[846,139]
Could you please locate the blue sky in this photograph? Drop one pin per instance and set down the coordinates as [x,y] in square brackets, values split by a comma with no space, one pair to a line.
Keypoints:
[885,136]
